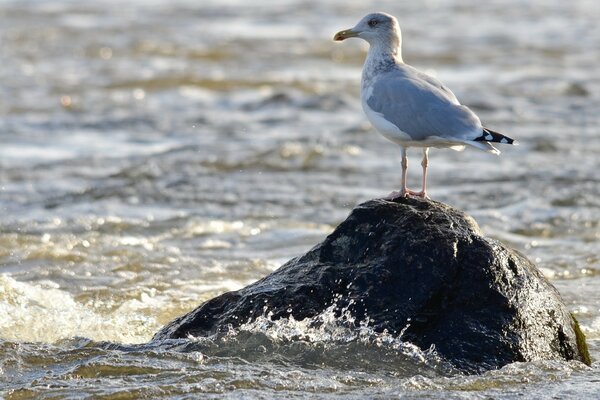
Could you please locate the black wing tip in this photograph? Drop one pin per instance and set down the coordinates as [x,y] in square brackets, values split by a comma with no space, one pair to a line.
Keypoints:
[494,137]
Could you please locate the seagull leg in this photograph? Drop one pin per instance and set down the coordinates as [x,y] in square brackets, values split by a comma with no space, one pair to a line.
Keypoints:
[424,164]
[404,191]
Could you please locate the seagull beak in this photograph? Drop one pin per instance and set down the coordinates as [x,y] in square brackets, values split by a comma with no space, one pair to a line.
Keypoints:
[348,33]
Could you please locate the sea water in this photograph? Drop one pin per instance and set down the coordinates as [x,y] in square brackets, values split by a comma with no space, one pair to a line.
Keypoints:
[156,154]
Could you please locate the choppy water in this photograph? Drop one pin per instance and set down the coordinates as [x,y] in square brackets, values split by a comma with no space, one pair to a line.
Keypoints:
[156,154]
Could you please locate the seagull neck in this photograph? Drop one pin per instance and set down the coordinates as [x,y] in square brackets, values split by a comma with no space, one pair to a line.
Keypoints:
[380,59]
[385,50]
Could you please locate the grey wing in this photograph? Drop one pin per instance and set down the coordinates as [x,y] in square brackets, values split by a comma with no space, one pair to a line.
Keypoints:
[422,110]
[431,80]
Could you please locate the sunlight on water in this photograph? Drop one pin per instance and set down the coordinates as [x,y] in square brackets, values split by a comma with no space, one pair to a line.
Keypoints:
[155,155]
[43,313]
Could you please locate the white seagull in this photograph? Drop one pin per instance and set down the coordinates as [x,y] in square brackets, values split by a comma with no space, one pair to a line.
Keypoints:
[409,107]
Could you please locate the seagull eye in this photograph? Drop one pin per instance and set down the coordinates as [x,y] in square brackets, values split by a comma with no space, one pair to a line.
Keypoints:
[372,23]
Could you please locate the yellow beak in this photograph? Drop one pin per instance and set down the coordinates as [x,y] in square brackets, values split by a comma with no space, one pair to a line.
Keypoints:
[348,33]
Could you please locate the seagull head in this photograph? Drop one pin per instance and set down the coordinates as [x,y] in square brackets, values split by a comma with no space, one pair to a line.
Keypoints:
[376,28]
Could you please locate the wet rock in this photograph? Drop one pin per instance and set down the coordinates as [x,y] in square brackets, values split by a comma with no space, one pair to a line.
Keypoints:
[419,269]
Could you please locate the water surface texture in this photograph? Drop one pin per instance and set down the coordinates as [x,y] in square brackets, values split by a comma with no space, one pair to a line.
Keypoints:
[156,154]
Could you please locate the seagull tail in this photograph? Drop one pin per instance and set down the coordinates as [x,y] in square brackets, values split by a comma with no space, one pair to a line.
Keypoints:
[485,146]
[489,135]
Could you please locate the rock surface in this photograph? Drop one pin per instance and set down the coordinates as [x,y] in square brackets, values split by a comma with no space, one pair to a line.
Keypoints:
[417,268]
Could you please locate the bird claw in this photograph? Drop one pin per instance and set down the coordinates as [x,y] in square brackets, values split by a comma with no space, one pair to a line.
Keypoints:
[422,194]
[406,193]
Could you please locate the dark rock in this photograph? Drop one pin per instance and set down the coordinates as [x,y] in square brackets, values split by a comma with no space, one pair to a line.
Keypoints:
[420,269]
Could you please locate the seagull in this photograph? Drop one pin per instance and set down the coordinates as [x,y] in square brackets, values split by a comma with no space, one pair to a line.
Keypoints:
[409,107]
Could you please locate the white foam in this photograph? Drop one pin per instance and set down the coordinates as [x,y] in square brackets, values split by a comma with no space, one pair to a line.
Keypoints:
[592,331]
[44,313]
[328,327]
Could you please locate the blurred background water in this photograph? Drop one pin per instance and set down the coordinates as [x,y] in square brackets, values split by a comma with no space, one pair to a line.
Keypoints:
[155,154]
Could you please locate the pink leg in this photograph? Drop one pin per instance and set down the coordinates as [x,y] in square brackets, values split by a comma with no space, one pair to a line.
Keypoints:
[424,164]
[404,191]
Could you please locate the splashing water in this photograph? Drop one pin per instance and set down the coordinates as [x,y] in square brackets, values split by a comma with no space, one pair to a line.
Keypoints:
[156,155]
[34,313]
